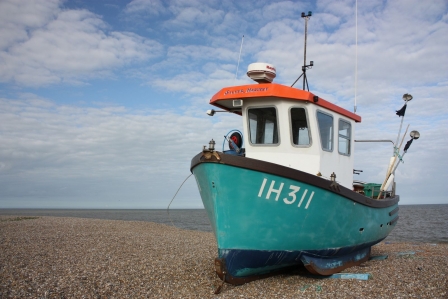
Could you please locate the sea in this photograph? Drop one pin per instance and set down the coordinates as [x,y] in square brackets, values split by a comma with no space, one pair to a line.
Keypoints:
[417,223]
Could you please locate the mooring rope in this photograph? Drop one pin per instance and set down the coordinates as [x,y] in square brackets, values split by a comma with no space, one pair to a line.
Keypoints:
[168,208]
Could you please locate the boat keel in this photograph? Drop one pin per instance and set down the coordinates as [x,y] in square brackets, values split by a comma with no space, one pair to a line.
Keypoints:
[320,265]
[224,275]
[316,264]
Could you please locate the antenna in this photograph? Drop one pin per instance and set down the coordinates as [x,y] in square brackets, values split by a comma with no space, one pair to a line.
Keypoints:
[241,48]
[356,52]
[305,66]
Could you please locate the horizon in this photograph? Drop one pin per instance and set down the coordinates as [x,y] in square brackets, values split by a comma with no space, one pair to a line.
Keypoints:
[422,204]
[103,104]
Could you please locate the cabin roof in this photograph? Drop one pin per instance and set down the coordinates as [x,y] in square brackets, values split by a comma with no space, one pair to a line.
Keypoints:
[224,98]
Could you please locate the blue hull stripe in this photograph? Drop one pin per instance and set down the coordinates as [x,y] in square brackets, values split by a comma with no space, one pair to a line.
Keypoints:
[245,263]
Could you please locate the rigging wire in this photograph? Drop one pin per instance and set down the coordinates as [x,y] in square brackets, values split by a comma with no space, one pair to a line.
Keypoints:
[168,208]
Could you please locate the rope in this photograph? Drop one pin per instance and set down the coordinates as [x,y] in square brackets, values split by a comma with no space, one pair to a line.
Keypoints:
[168,208]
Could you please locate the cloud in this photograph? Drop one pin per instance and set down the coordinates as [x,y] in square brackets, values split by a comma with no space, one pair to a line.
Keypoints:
[150,7]
[69,46]
[393,47]
[16,20]
[282,10]
[103,154]
[388,67]
[86,154]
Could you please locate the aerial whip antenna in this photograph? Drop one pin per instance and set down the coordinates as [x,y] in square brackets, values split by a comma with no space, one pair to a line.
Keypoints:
[239,57]
[356,52]
[305,66]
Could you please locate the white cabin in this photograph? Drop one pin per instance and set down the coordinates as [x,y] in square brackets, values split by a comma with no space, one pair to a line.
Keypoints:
[293,128]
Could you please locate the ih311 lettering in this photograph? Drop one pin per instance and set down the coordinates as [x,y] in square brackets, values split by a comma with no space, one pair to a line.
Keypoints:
[292,196]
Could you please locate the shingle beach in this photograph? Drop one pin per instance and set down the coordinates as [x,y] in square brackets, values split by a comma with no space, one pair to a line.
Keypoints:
[52,257]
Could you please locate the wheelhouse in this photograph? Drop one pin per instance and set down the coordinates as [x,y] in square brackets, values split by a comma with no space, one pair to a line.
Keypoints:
[293,128]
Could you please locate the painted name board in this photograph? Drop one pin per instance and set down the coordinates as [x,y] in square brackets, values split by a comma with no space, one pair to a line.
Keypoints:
[247,90]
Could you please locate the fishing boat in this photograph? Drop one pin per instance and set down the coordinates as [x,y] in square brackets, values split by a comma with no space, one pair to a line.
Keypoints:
[281,193]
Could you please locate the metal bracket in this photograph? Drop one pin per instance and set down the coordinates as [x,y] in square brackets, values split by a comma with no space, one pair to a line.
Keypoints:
[209,154]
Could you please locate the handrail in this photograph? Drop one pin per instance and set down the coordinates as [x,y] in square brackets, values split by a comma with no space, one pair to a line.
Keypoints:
[385,140]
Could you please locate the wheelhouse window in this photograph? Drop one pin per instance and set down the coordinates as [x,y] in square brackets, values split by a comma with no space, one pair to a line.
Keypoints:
[263,126]
[299,127]
[345,134]
[325,122]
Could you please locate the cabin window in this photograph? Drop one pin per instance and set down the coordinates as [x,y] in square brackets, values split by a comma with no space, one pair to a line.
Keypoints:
[325,122]
[263,126]
[345,134]
[299,127]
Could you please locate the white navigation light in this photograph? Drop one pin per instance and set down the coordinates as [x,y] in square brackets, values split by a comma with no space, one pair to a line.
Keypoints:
[407,97]
[415,135]
[261,72]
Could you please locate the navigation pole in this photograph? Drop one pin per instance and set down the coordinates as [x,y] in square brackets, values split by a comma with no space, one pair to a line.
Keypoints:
[305,66]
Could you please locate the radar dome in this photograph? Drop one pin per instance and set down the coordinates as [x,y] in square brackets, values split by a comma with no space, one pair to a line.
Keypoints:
[261,72]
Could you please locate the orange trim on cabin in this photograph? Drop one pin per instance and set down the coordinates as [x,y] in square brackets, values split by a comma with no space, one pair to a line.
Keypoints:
[275,90]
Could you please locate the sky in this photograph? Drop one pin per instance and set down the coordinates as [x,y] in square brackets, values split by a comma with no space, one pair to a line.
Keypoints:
[102,103]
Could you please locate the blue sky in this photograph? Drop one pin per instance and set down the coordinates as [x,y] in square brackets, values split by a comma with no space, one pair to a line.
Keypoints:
[102,103]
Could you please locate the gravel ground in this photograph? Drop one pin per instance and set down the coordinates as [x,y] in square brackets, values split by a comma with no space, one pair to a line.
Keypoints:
[51,257]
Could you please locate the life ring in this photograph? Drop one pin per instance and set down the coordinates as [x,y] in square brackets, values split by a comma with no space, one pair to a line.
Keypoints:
[237,139]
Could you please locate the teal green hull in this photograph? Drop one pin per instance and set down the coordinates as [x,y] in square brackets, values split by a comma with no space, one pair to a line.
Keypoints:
[267,217]
[245,215]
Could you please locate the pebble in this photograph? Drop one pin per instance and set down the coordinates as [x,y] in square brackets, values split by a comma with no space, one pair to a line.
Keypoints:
[54,257]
